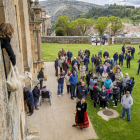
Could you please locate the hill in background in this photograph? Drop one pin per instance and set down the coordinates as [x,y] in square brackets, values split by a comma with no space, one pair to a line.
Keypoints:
[72,8]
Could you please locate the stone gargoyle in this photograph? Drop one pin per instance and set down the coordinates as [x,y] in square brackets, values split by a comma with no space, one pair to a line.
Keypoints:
[16,81]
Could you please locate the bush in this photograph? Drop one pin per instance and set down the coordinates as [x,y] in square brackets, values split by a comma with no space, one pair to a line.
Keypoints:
[60,31]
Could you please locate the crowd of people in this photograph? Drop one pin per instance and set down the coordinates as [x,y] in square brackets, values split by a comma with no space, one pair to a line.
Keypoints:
[104,82]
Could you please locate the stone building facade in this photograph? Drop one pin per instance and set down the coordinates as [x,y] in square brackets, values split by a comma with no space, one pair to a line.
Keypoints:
[46,23]
[24,15]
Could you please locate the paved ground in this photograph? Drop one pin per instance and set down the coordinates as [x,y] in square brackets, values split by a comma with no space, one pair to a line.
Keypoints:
[56,120]
[99,44]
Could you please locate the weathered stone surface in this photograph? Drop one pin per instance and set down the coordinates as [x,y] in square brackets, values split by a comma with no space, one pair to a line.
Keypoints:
[125,40]
[32,137]
[67,39]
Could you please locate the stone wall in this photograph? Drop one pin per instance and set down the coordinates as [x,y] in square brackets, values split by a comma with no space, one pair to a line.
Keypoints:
[12,114]
[125,40]
[67,39]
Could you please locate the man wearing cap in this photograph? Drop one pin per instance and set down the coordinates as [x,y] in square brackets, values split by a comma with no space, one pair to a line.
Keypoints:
[115,56]
[28,97]
[100,53]
[36,94]
[127,102]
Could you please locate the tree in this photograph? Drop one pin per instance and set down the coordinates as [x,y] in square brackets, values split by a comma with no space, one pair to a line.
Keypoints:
[60,31]
[101,25]
[116,24]
[63,21]
[83,24]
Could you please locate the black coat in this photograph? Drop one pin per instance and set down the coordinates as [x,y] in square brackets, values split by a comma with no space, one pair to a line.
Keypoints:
[103,94]
[129,58]
[40,75]
[121,87]
[65,65]
[95,93]
[81,113]
[106,54]
[87,52]
[5,43]
[116,93]
[81,92]
[36,93]
[88,76]
[112,76]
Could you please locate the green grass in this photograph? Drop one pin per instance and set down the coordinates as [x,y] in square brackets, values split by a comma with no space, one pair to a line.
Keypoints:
[114,129]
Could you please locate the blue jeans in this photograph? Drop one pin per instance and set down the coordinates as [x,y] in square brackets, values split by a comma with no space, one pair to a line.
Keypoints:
[125,56]
[86,67]
[73,90]
[110,95]
[41,84]
[132,56]
[115,61]
[36,102]
[128,111]
[60,89]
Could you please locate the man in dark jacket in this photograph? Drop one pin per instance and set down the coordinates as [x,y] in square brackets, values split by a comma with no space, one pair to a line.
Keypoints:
[128,60]
[96,91]
[138,67]
[36,94]
[88,77]
[106,54]
[41,77]
[132,52]
[108,68]
[86,62]
[92,61]
[65,66]
[111,75]
[87,52]
[69,54]
[81,92]
[73,81]
[60,79]
[115,56]
[56,67]
[28,97]
[79,83]
[121,57]
[100,69]
[98,61]
[75,61]
[123,49]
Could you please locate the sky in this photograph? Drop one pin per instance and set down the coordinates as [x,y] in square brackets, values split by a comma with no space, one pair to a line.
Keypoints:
[120,2]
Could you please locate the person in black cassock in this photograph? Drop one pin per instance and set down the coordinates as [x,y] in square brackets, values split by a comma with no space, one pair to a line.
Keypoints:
[81,117]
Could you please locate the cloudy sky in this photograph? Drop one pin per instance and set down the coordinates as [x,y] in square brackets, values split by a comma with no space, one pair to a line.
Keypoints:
[122,2]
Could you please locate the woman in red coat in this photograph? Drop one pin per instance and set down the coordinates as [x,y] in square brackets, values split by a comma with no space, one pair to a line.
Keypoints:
[81,117]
